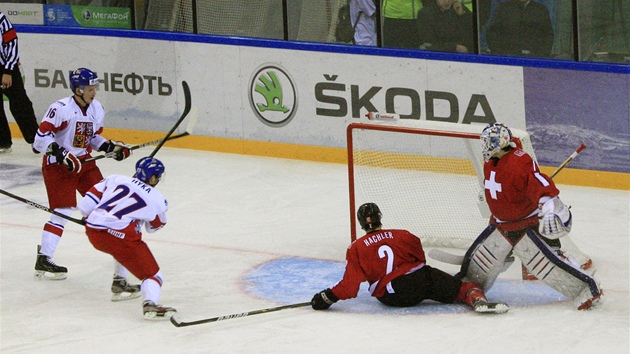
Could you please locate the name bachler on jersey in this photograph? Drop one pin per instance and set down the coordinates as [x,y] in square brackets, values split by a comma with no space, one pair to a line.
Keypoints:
[377,237]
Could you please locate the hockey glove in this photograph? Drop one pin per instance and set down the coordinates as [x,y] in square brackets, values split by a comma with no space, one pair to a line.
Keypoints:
[116,149]
[64,157]
[323,299]
[555,218]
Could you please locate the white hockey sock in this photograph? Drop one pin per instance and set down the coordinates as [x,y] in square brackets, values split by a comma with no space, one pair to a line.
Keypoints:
[152,287]
[120,270]
[49,243]
[53,231]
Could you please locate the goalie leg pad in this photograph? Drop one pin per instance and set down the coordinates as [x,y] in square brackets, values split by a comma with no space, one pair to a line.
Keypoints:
[571,251]
[564,277]
[486,258]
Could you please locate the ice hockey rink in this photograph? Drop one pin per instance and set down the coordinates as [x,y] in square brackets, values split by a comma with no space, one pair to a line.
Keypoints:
[247,233]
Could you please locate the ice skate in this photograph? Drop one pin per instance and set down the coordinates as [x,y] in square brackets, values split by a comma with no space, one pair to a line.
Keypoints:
[152,311]
[45,268]
[586,300]
[483,306]
[121,290]
[591,303]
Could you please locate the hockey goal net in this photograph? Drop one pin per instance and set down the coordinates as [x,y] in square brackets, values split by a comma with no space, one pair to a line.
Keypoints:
[427,179]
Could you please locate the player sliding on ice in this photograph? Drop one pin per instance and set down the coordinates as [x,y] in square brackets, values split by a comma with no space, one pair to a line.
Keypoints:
[115,210]
[394,264]
[518,195]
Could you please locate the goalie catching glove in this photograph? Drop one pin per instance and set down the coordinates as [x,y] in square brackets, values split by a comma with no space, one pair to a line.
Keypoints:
[323,299]
[555,218]
[64,157]
[116,149]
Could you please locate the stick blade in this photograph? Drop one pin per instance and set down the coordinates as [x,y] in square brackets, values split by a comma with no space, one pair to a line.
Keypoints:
[174,321]
[187,99]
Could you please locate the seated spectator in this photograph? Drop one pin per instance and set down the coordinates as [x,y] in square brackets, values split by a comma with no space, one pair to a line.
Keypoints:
[521,28]
[446,26]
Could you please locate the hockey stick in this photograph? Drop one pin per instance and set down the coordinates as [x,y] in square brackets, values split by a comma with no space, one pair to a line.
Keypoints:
[187,107]
[569,159]
[135,147]
[41,207]
[450,258]
[236,315]
[160,142]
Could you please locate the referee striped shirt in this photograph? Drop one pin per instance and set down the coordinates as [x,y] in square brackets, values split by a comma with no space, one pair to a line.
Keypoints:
[9,55]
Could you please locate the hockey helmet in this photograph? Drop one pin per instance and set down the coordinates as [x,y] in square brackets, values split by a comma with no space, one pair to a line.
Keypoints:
[494,138]
[82,77]
[369,216]
[148,167]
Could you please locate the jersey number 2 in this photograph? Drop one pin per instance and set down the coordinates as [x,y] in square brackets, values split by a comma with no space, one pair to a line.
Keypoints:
[387,252]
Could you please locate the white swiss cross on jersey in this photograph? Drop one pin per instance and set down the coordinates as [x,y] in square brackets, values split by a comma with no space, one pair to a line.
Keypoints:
[492,186]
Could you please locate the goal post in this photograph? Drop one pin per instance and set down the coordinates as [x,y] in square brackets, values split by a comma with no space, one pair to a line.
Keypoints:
[426,178]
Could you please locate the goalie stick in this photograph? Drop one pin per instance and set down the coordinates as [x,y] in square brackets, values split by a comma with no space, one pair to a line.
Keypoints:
[41,207]
[569,159]
[177,323]
[169,136]
[450,258]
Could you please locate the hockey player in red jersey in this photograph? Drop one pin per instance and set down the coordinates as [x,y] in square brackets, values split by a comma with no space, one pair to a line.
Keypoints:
[116,208]
[528,220]
[68,132]
[393,263]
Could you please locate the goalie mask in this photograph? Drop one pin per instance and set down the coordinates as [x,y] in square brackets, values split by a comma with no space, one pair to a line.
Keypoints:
[369,216]
[148,167]
[494,138]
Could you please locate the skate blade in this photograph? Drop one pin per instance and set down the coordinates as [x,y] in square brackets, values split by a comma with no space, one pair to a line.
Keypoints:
[492,307]
[125,296]
[155,316]
[43,275]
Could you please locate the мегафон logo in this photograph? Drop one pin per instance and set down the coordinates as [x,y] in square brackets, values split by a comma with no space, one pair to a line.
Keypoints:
[273,95]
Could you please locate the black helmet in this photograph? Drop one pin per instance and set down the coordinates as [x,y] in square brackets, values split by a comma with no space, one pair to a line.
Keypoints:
[369,216]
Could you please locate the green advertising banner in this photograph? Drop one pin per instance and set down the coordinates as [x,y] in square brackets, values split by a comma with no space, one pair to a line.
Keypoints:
[87,16]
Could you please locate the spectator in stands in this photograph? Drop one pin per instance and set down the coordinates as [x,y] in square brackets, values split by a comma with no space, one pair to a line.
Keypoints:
[399,23]
[363,17]
[521,28]
[13,87]
[446,26]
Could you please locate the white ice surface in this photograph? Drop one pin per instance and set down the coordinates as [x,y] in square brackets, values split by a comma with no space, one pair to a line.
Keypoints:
[230,214]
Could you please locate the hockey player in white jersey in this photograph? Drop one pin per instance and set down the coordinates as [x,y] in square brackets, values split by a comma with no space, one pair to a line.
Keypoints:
[116,209]
[70,129]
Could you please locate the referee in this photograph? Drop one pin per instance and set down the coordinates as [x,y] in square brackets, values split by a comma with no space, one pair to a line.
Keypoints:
[12,87]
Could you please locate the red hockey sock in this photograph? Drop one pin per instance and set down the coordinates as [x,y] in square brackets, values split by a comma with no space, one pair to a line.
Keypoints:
[469,293]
